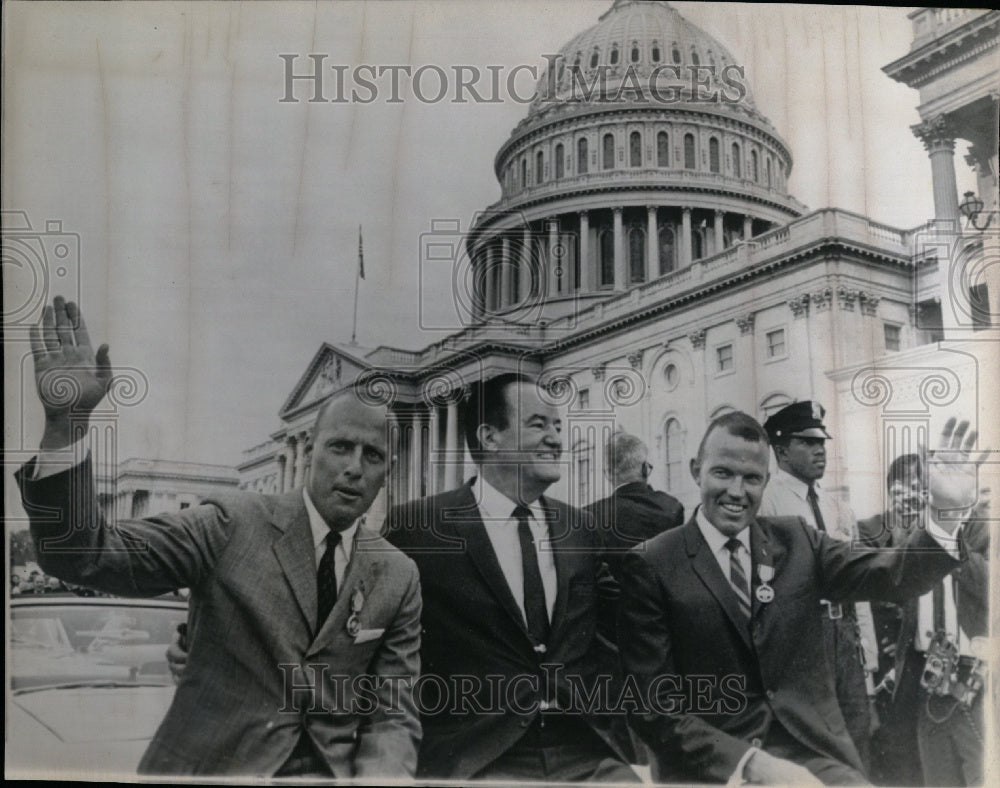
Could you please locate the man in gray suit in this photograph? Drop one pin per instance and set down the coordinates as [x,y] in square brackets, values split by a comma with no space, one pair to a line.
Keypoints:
[304,629]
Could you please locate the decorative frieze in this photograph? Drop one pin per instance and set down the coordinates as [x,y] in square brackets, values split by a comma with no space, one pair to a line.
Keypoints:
[846,296]
[822,299]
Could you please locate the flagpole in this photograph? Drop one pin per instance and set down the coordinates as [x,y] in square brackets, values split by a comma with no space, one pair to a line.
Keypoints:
[357,282]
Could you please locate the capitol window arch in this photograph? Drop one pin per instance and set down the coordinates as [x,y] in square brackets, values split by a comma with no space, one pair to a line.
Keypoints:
[772,403]
[636,254]
[581,156]
[689,160]
[754,169]
[767,172]
[614,55]
[673,454]
[737,169]
[697,243]
[662,149]
[695,61]
[635,149]
[595,57]
[668,251]
[713,154]
[608,153]
[676,55]
[524,173]
[559,161]
[539,166]
[655,52]
[635,52]
[606,254]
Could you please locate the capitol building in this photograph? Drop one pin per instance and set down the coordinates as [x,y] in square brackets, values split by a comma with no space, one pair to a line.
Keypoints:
[647,262]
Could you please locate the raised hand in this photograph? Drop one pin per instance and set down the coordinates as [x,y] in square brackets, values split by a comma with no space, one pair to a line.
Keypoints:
[951,470]
[71,380]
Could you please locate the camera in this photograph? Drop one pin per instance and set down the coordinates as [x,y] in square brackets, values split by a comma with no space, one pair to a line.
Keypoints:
[37,265]
[941,665]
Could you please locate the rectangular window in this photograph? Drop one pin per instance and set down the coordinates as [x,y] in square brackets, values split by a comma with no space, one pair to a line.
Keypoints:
[724,358]
[776,343]
[891,337]
[583,399]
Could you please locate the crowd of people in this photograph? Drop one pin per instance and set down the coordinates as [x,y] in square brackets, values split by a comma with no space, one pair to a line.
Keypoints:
[493,632]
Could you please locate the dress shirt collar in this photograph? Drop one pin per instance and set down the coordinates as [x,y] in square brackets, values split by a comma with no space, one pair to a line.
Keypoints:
[320,529]
[495,507]
[715,538]
[797,486]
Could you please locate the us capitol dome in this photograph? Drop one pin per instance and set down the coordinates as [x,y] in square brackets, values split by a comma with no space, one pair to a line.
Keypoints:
[642,152]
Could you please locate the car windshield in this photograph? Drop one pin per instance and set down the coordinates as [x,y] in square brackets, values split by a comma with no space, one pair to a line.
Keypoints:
[68,644]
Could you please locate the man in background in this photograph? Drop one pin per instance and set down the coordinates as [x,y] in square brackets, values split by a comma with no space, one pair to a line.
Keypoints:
[634,512]
[798,438]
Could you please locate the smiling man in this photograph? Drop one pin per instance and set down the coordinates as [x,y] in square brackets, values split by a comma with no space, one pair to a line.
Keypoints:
[729,601]
[294,611]
[511,584]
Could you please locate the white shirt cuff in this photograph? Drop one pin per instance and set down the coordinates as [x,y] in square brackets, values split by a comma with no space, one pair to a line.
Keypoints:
[948,541]
[737,778]
[49,462]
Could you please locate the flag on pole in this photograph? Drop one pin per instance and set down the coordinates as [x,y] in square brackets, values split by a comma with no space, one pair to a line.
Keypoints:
[361,255]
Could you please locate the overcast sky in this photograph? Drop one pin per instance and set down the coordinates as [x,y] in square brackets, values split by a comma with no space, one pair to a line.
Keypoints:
[218,225]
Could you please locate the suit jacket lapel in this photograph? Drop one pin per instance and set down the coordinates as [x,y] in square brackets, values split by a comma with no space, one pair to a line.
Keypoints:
[362,575]
[296,554]
[479,549]
[557,520]
[707,568]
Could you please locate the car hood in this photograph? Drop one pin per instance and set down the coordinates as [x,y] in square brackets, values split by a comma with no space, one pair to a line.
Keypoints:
[89,730]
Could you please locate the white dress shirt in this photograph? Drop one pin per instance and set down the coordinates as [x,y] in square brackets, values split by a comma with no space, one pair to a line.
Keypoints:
[497,512]
[320,531]
[717,544]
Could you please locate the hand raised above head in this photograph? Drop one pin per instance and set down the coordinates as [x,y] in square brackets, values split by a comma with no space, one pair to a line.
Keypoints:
[71,380]
[952,469]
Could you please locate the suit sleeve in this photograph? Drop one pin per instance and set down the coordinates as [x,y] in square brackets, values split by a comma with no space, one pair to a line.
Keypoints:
[389,738]
[972,580]
[850,571]
[147,557]
[698,749]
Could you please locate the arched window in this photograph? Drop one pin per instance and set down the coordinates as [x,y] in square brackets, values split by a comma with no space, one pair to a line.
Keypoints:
[773,404]
[754,171]
[697,243]
[673,446]
[767,172]
[656,52]
[594,58]
[606,248]
[539,167]
[636,254]
[559,161]
[737,168]
[694,58]
[668,256]
[524,172]
[635,149]
[635,52]
[662,149]
[614,55]
[608,156]
[581,155]
[689,151]
[676,54]
[713,154]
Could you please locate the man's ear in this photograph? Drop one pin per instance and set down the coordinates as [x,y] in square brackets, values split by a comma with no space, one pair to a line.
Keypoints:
[695,468]
[486,434]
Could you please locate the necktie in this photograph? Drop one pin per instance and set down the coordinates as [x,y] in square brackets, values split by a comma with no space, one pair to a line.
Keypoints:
[535,611]
[326,579]
[814,505]
[737,577]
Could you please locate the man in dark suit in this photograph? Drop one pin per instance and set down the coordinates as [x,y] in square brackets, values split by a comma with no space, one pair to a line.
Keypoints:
[634,512]
[718,620]
[510,582]
[300,624]
[946,724]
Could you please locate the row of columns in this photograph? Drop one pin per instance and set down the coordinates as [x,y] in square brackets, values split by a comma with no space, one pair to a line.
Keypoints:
[292,462]
[486,255]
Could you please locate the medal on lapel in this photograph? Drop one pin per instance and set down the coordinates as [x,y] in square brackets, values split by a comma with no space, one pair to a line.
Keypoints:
[764,592]
[354,621]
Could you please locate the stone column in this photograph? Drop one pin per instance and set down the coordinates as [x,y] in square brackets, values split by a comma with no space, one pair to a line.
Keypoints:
[685,250]
[747,227]
[453,448]
[434,452]
[288,482]
[300,460]
[553,263]
[717,238]
[652,239]
[938,137]
[416,455]
[526,275]
[621,275]
[584,285]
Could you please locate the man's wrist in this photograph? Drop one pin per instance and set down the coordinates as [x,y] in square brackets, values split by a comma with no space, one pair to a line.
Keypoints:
[63,431]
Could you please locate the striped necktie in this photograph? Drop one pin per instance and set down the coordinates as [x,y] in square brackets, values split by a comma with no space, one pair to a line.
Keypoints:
[738,577]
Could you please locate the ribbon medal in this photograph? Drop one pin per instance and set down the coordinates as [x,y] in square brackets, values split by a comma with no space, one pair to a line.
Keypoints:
[764,592]
[353,621]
